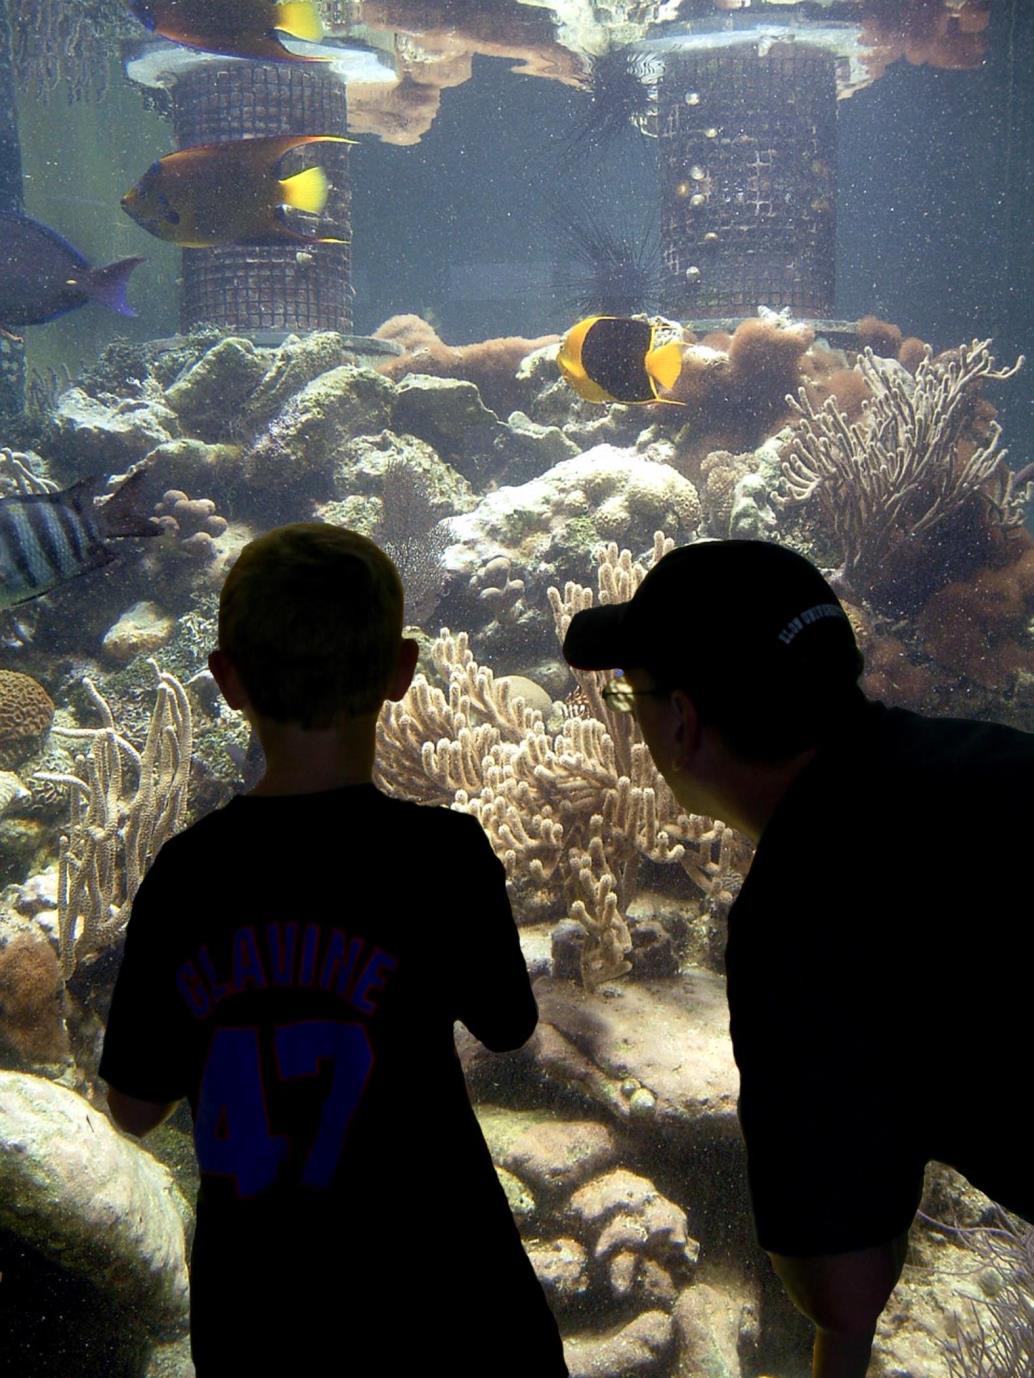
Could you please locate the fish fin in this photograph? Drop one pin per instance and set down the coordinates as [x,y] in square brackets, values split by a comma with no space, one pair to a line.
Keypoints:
[306,190]
[665,364]
[299,18]
[6,334]
[108,285]
[121,514]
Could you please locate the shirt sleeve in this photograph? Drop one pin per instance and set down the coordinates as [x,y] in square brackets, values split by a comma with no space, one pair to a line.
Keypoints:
[146,1035]
[493,991]
[833,1157]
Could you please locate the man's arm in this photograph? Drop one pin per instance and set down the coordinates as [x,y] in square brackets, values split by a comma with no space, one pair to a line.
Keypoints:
[137,1117]
[843,1295]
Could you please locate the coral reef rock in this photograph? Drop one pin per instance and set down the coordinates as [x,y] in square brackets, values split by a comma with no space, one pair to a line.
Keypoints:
[217,386]
[89,1199]
[141,629]
[95,436]
[551,525]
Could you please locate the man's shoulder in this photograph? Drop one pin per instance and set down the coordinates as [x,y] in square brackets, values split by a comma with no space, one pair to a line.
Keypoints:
[929,746]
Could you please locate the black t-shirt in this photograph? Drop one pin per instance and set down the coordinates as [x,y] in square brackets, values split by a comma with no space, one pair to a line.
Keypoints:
[293,966]
[879,963]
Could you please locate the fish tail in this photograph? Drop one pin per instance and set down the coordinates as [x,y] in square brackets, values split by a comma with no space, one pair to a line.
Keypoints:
[665,364]
[108,285]
[307,190]
[122,514]
[300,19]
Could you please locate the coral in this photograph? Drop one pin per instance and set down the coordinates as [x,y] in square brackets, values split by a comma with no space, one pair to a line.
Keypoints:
[980,625]
[735,386]
[491,364]
[570,814]
[942,33]
[193,522]
[26,711]
[31,993]
[884,484]
[409,532]
[882,337]
[122,807]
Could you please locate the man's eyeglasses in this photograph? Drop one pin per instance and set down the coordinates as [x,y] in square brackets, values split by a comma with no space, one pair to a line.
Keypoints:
[620,697]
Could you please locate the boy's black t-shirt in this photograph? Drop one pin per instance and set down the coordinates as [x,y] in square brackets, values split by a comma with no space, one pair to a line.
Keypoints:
[294,966]
[878,961]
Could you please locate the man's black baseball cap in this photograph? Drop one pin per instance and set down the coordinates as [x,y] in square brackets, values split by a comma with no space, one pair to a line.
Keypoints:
[735,623]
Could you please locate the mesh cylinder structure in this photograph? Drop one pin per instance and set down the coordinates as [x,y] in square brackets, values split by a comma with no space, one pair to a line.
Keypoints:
[278,286]
[747,139]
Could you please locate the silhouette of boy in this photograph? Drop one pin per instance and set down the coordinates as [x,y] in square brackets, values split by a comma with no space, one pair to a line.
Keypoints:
[293,966]
[873,943]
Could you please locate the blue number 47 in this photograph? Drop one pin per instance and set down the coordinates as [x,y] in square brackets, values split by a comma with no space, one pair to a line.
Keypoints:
[232,1133]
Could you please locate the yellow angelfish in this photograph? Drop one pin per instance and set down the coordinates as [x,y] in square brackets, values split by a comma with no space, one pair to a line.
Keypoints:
[229,193]
[239,28]
[613,359]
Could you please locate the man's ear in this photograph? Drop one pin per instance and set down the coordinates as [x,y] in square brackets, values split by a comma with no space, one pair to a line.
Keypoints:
[405,668]
[686,731]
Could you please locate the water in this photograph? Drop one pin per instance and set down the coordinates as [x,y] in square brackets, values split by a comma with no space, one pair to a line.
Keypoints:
[464,228]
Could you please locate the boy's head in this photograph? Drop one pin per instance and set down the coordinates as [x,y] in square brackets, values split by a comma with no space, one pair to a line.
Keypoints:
[310,616]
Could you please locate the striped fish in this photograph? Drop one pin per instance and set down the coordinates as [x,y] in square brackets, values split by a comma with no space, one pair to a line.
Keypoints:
[48,538]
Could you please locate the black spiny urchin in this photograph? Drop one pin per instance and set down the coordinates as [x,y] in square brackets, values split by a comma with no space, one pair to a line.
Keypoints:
[605,272]
[619,92]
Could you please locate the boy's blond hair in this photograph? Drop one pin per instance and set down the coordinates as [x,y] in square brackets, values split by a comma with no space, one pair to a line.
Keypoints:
[311,617]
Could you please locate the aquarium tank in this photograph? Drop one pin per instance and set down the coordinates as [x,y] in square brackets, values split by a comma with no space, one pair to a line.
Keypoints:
[241,288]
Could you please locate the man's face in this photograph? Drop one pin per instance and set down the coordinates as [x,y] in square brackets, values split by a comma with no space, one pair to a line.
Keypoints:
[668,723]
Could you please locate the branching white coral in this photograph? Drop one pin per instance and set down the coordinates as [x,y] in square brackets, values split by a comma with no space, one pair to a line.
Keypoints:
[897,473]
[571,813]
[122,807]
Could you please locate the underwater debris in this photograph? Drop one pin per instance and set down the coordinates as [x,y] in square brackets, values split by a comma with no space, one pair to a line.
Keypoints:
[122,807]
[896,476]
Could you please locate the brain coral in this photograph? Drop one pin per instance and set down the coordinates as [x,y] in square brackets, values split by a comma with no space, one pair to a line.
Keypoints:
[26,709]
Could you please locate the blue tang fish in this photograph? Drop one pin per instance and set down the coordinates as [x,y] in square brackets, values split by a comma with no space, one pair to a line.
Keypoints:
[48,538]
[43,276]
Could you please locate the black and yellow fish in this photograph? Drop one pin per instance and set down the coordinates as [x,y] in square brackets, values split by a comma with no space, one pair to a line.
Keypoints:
[239,28]
[229,193]
[613,359]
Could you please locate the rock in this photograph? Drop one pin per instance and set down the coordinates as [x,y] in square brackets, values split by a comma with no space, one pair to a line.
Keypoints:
[90,1200]
[530,448]
[670,1037]
[708,1325]
[562,1267]
[551,526]
[552,1155]
[297,362]
[209,397]
[143,628]
[622,1211]
[639,1347]
[182,463]
[360,464]
[449,415]
[95,436]
[303,440]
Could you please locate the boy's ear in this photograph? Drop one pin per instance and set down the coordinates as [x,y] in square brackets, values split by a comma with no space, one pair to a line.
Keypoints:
[224,672]
[405,668]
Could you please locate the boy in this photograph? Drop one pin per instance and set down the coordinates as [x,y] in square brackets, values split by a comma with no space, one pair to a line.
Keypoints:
[293,965]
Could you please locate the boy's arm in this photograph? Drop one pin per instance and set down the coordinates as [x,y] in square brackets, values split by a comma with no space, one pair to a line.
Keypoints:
[138,1117]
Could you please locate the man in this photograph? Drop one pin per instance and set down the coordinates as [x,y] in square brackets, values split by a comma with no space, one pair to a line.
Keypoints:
[872,946]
